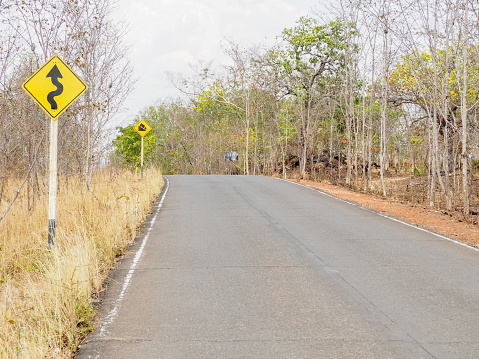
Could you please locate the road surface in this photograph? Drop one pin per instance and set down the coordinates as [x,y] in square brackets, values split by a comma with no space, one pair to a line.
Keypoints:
[256,267]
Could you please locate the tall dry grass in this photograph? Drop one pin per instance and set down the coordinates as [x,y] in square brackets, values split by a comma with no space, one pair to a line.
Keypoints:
[46,293]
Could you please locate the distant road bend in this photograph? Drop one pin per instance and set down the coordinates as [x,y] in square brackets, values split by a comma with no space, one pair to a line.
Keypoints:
[256,267]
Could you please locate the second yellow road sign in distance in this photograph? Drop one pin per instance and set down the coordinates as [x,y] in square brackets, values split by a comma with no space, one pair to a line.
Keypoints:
[54,86]
[142,128]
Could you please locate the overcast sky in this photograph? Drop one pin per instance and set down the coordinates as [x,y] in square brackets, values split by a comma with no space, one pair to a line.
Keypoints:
[168,35]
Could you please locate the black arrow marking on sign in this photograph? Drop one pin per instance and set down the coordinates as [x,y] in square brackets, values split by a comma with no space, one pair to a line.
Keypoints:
[142,127]
[55,74]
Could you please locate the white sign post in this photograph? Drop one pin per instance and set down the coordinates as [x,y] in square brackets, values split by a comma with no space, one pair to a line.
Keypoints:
[142,128]
[54,97]
[52,188]
[142,157]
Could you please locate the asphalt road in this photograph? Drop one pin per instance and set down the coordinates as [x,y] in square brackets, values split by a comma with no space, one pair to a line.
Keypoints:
[256,267]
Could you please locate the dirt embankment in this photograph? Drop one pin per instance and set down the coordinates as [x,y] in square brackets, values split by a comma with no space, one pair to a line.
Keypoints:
[433,220]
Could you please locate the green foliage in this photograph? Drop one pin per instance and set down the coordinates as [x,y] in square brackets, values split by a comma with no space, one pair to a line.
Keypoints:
[421,171]
[286,126]
[413,77]
[215,101]
[128,147]
[310,50]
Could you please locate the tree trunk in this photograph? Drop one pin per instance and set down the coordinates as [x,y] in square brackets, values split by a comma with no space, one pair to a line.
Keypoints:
[465,180]
[382,151]
[303,157]
[246,157]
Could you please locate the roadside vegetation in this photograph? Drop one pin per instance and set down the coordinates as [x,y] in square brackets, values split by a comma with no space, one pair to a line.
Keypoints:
[379,96]
[47,294]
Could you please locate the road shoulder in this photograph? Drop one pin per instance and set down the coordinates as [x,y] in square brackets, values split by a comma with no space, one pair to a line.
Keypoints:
[426,218]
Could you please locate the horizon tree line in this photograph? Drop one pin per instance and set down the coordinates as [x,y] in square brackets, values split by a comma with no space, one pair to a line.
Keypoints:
[380,87]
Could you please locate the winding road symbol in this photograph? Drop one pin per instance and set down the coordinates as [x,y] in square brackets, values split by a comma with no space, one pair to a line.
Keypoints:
[55,74]
[45,88]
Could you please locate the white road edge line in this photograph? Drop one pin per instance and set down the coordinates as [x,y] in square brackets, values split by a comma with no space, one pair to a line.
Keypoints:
[112,314]
[383,215]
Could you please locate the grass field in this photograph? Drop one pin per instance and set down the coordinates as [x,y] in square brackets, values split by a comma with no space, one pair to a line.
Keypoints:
[46,294]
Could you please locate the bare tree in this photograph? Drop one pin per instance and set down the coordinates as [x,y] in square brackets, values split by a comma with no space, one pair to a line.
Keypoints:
[83,34]
[463,88]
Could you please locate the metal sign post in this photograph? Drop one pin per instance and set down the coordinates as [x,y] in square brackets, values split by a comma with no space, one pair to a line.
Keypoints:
[54,97]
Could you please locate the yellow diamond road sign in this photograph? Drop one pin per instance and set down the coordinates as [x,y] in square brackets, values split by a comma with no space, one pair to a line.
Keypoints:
[142,128]
[54,86]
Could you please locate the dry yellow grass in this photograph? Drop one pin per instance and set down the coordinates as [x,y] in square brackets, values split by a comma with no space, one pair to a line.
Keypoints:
[46,294]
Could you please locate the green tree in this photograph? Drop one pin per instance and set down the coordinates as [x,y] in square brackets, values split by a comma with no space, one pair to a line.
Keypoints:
[309,55]
[128,147]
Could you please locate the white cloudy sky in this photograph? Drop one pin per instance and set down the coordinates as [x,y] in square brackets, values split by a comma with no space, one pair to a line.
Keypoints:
[168,35]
